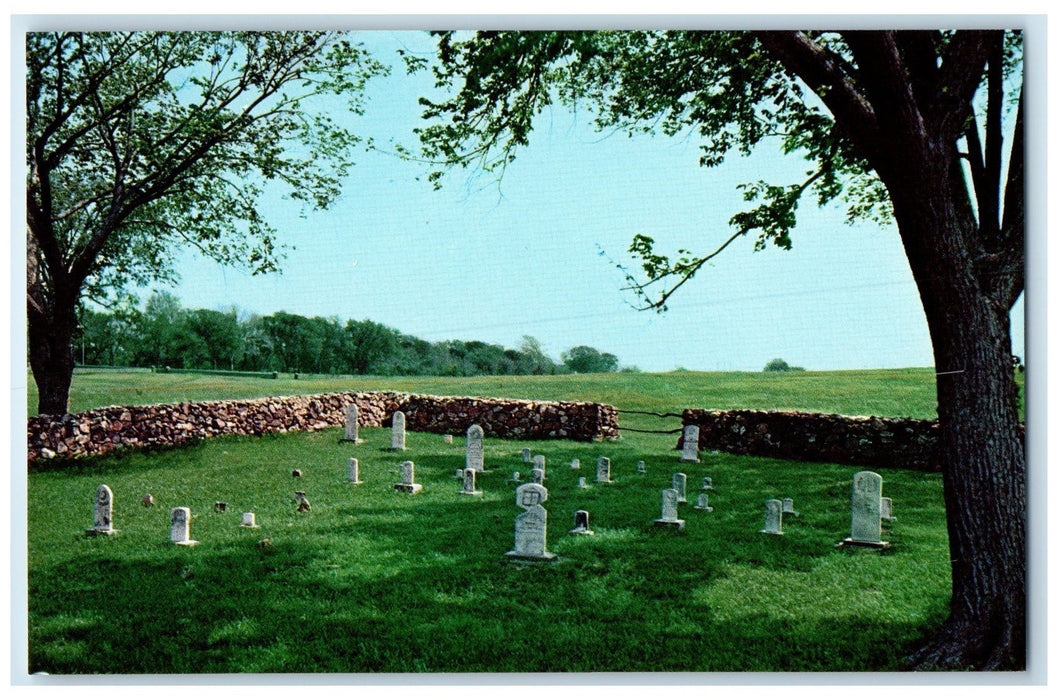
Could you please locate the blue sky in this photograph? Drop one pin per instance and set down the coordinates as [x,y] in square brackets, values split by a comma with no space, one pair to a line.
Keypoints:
[495,262]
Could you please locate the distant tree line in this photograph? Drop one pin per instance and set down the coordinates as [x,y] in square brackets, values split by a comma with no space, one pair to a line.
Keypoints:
[164,334]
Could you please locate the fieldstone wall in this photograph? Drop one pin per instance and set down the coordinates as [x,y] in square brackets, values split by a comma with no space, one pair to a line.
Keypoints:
[869,441]
[103,430]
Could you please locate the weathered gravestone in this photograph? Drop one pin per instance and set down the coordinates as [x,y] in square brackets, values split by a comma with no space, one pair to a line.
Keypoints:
[469,483]
[580,524]
[787,507]
[866,511]
[690,444]
[707,483]
[220,507]
[540,462]
[772,517]
[582,482]
[537,476]
[574,463]
[641,467]
[602,470]
[679,483]
[669,516]
[102,513]
[703,503]
[448,439]
[476,448]
[352,424]
[887,509]
[527,455]
[354,471]
[407,479]
[249,520]
[530,528]
[180,529]
[397,441]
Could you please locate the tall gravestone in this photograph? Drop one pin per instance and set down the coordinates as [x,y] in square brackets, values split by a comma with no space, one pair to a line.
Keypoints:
[866,511]
[397,442]
[689,452]
[180,527]
[469,483]
[679,483]
[602,470]
[102,512]
[530,528]
[352,424]
[354,471]
[407,479]
[772,517]
[669,515]
[475,448]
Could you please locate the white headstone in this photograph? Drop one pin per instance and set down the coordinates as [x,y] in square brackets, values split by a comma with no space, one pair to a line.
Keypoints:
[476,448]
[602,470]
[580,524]
[352,424]
[582,482]
[530,528]
[669,516]
[397,443]
[527,455]
[787,507]
[887,509]
[707,483]
[703,503]
[469,483]
[772,517]
[641,467]
[180,530]
[540,462]
[407,479]
[679,483]
[690,444]
[574,463]
[354,471]
[448,439]
[537,476]
[103,512]
[249,520]
[866,510]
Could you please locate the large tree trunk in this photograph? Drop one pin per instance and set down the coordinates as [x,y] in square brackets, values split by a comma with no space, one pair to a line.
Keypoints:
[51,359]
[981,448]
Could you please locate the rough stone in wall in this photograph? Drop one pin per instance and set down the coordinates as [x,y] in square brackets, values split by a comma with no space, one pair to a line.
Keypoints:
[144,427]
[819,437]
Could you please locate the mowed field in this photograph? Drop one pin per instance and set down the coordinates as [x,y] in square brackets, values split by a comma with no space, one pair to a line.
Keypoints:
[371,580]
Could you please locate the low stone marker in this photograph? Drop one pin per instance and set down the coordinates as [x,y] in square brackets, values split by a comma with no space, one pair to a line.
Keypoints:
[537,476]
[530,528]
[469,483]
[772,517]
[220,507]
[866,512]
[679,483]
[669,516]
[527,455]
[476,448]
[703,503]
[516,477]
[397,440]
[249,520]
[602,470]
[354,471]
[102,512]
[303,503]
[148,500]
[887,509]
[352,425]
[707,483]
[787,507]
[180,529]
[296,473]
[690,444]
[574,463]
[641,467]
[580,524]
[582,482]
[407,479]
[448,439]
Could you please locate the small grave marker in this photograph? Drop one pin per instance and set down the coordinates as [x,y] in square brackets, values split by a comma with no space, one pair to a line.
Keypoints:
[102,512]
[641,467]
[530,528]
[703,503]
[602,470]
[690,444]
[352,424]
[574,463]
[679,483]
[180,529]
[707,483]
[537,476]
[527,455]
[772,517]
[249,520]
[353,474]
[540,462]
[887,509]
[469,483]
[787,507]
[220,507]
[582,482]
[397,440]
[669,516]
[148,501]
[407,479]
[580,524]
[448,439]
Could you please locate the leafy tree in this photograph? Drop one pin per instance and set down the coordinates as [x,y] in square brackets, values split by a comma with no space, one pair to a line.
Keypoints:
[369,343]
[138,143]
[780,365]
[220,336]
[158,331]
[902,124]
[583,359]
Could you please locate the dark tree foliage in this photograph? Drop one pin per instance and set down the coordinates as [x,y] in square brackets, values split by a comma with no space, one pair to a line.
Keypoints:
[903,125]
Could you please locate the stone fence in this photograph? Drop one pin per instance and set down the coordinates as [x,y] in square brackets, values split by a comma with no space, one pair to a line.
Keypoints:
[819,437]
[102,430]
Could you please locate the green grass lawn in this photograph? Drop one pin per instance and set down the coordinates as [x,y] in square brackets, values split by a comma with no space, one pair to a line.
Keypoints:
[372,580]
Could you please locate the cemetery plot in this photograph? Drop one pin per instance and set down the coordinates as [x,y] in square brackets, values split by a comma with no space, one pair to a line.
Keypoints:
[371,580]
